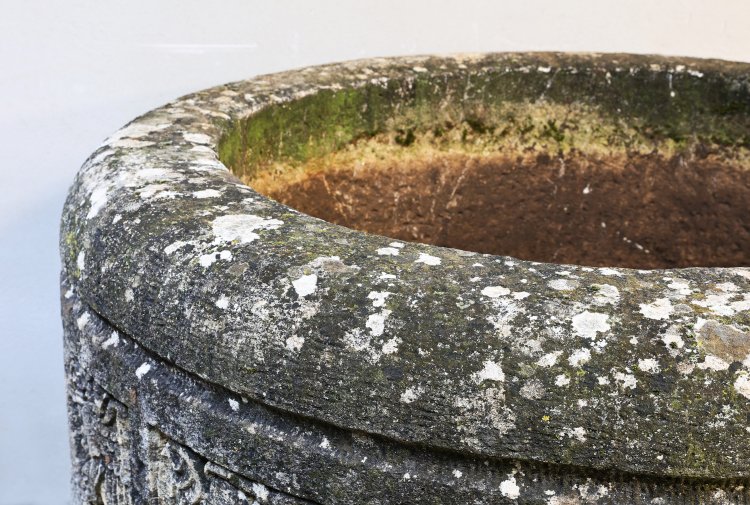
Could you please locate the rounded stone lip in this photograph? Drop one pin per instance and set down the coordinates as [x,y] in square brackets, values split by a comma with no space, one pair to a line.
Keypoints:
[605,368]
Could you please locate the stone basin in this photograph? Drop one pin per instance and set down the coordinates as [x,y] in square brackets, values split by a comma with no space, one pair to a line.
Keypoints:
[492,278]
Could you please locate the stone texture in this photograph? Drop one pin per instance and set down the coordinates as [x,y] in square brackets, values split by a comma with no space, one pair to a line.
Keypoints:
[224,348]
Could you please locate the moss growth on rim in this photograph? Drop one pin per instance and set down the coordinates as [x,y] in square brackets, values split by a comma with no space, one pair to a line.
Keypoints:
[544,109]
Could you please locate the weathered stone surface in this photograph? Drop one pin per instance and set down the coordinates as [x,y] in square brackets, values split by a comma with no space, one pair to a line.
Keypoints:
[224,348]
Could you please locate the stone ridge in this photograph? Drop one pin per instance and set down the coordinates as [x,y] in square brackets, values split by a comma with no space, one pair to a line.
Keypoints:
[598,368]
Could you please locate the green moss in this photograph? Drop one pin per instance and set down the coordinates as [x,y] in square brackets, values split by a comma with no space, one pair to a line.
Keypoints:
[582,109]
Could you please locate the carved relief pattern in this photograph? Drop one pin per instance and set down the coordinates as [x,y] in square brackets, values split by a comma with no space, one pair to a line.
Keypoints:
[101,446]
[177,475]
[175,472]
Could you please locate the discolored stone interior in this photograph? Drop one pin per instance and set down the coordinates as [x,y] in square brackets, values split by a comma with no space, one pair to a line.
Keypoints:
[644,211]
[644,168]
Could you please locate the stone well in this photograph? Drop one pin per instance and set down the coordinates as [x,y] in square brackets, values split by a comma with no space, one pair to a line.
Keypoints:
[524,282]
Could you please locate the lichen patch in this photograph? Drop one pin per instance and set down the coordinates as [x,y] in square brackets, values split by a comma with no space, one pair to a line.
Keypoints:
[495,291]
[378,297]
[579,357]
[742,384]
[305,285]
[659,309]
[428,259]
[563,284]
[295,343]
[242,227]
[492,371]
[376,322]
[510,489]
[589,324]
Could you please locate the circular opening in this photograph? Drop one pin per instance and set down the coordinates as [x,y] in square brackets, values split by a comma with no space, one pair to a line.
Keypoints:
[628,166]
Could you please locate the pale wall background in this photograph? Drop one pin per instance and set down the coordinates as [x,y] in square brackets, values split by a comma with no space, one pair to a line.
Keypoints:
[72,72]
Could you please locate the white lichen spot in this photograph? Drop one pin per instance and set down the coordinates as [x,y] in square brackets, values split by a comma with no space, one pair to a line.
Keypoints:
[672,339]
[562,380]
[391,346]
[606,294]
[198,138]
[129,295]
[356,339]
[487,404]
[722,300]
[410,395]
[242,227]
[680,287]
[113,340]
[549,359]
[378,297]
[495,291]
[579,357]
[206,260]
[83,320]
[376,322]
[234,405]
[131,143]
[491,372]
[142,370]
[578,433]
[428,259]
[295,343]
[325,444]
[648,365]
[626,380]
[521,295]
[305,285]
[206,193]
[659,309]
[387,251]
[81,260]
[533,389]
[563,284]
[742,384]
[713,363]
[458,474]
[223,302]
[588,324]
[174,246]
[397,245]
[609,272]
[261,492]
[97,200]
[509,488]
